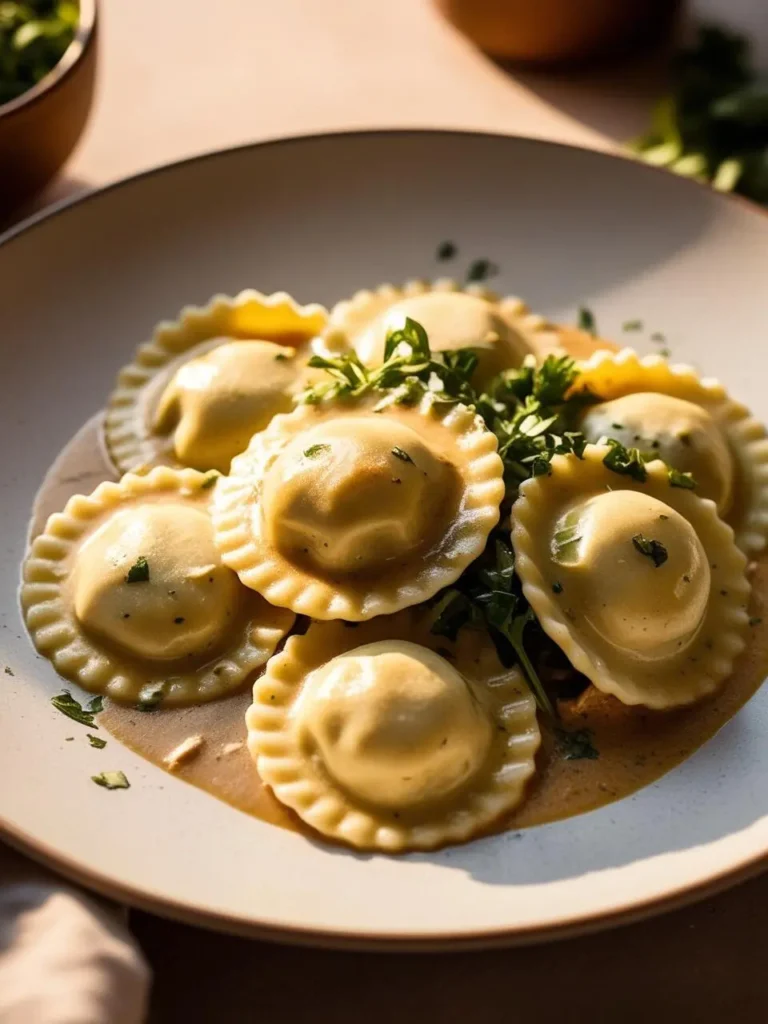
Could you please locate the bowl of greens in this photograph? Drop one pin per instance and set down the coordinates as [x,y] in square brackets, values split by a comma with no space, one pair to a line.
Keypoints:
[47,65]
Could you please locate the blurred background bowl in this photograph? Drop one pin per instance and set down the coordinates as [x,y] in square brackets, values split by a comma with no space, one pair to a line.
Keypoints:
[551,32]
[39,129]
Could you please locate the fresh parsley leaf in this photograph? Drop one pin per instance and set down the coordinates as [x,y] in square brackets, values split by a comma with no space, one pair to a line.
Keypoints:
[67,705]
[480,270]
[139,571]
[576,745]
[8,670]
[586,321]
[402,455]
[446,251]
[96,741]
[625,461]
[632,325]
[652,549]
[111,780]
[678,479]
[316,449]
[96,705]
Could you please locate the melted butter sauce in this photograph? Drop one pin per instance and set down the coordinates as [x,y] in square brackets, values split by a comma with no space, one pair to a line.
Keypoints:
[636,746]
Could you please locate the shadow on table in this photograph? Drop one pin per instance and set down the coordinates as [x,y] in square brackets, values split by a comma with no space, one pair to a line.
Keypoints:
[63,187]
[701,964]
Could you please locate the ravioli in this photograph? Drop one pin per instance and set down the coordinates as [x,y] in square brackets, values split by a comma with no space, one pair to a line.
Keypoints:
[206,383]
[689,422]
[501,331]
[340,511]
[387,737]
[639,582]
[126,594]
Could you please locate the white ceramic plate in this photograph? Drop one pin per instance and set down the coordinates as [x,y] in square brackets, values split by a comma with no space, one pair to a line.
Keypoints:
[322,217]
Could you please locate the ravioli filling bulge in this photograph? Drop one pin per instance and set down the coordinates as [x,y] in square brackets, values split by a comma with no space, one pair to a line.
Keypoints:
[393,724]
[636,570]
[682,433]
[151,582]
[452,320]
[215,403]
[356,493]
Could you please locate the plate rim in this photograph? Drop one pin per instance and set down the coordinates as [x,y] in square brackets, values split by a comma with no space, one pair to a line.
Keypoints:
[628,912]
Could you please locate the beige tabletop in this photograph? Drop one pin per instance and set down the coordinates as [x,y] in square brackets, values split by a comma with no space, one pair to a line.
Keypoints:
[178,78]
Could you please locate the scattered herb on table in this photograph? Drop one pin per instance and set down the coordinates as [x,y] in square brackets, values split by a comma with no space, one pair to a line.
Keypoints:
[111,780]
[632,325]
[96,741]
[446,251]
[8,670]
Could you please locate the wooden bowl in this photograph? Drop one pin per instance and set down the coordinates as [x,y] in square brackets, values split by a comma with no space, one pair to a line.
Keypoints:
[551,32]
[39,129]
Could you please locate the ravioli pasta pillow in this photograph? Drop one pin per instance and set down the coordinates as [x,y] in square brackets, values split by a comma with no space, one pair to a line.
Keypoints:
[339,511]
[667,410]
[125,592]
[638,581]
[377,739]
[501,331]
[198,391]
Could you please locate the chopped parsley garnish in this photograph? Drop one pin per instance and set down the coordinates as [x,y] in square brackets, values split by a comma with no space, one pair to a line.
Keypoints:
[658,337]
[96,741]
[652,549]
[755,620]
[139,571]
[316,449]
[632,325]
[111,780]
[626,461]
[586,321]
[150,696]
[210,481]
[8,670]
[67,705]
[480,270]
[446,251]
[402,455]
[678,479]
[576,745]
[282,357]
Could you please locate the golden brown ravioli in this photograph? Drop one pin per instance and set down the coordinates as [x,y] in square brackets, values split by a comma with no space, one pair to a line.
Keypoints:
[639,582]
[387,737]
[206,383]
[127,595]
[339,511]
[667,410]
[502,331]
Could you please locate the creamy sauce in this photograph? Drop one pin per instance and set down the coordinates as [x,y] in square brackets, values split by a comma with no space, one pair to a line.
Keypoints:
[635,746]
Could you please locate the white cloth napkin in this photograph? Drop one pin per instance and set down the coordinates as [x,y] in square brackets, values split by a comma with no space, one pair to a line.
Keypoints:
[66,957]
